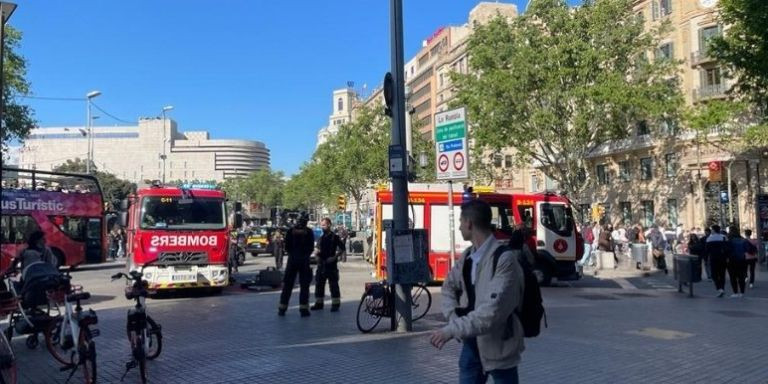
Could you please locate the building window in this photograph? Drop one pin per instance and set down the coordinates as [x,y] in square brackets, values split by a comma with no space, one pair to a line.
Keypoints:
[706,34]
[625,172]
[668,126]
[646,168]
[665,7]
[340,104]
[550,184]
[602,175]
[665,52]
[584,212]
[497,158]
[642,128]
[442,79]
[508,161]
[534,183]
[672,209]
[671,164]
[648,217]
[626,212]
[711,77]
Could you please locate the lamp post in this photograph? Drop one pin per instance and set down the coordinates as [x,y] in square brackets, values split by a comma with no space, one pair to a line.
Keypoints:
[88,97]
[164,155]
[6,9]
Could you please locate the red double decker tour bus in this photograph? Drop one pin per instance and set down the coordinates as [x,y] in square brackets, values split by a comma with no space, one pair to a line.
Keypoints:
[67,207]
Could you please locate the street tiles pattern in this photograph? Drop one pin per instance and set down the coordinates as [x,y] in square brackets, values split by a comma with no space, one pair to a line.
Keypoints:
[641,336]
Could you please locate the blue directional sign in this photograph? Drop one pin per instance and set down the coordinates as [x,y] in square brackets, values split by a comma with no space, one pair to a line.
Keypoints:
[724,197]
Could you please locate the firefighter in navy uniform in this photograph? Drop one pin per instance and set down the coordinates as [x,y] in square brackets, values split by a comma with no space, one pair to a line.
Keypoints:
[299,242]
[329,249]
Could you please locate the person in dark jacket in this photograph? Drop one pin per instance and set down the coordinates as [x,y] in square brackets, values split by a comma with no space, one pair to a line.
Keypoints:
[299,242]
[605,243]
[717,249]
[329,250]
[737,262]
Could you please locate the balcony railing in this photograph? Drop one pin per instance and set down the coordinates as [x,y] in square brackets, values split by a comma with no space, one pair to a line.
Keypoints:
[706,92]
[701,57]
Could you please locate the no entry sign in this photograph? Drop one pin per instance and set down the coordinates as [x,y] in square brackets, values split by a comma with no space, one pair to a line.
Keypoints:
[451,152]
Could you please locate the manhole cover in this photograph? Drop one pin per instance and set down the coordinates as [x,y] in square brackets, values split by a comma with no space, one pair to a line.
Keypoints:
[739,314]
[597,297]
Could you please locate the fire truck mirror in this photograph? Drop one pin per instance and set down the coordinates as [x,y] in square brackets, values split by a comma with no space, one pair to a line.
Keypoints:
[123,204]
[124,218]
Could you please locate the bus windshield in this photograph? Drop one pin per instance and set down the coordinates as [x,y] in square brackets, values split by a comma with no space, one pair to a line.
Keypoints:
[166,212]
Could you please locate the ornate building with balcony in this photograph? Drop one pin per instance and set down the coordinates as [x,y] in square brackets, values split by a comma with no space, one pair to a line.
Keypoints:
[667,175]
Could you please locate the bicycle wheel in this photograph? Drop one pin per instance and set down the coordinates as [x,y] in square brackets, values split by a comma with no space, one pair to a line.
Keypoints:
[7,362]
[61,350]
[87,355]
[139,354]
[155,339]
[367,319]
[421,301]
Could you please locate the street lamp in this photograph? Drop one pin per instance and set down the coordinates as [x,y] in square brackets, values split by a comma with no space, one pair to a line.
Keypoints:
[7,10]
[163,155]
[88,97]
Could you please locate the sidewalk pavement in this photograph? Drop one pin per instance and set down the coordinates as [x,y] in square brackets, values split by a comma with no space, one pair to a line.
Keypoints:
[595,335]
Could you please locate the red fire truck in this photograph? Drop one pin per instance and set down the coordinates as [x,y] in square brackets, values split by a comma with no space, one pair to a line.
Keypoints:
[547,216]
[182,232]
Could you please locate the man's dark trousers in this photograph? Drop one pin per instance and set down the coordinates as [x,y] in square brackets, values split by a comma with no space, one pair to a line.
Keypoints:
[294,267]
[329,272]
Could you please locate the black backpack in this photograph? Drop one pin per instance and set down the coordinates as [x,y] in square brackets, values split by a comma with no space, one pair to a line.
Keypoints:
[531,311]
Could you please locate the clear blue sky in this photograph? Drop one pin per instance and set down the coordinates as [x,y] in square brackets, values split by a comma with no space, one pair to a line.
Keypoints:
[246,69]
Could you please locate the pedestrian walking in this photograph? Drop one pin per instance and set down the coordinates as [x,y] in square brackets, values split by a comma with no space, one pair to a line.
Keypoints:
[658,246]
[299,242]
[737,261]
[122,251]
[717,249]
[703,241]
[344,236]
[277,247]
[696,248]
[478,302]
[605,244]
[751,256]
[589,238]
[114,242]
[328,250]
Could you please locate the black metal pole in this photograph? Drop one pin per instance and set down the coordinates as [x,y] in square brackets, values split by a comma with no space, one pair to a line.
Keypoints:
[399,182]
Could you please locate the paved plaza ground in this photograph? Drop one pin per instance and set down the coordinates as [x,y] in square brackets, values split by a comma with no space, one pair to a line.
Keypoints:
[618,327]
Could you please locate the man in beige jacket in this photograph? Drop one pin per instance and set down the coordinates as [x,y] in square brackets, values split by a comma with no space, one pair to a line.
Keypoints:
[478,303]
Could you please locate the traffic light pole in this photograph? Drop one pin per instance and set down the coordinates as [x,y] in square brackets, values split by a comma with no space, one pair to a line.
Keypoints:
[399,181]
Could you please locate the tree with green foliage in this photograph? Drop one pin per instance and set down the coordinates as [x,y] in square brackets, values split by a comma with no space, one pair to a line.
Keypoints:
[18,119]
[558,82]
[743,50]
[306,190]
[112,188]
[263,187]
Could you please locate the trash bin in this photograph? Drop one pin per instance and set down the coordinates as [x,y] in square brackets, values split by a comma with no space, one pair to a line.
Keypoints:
[640,253]
[687,271]
[687,268]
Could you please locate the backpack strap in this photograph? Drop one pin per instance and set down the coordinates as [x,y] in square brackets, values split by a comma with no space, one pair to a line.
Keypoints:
[496,254]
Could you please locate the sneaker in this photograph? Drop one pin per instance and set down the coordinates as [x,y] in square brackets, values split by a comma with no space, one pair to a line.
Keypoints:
[720,293]
[734,296]
[316,306]
[304,313]
[281,312]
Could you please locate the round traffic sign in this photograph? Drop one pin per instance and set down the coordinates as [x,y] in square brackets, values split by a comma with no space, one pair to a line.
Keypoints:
[458,161]
[442,163]
[560,246]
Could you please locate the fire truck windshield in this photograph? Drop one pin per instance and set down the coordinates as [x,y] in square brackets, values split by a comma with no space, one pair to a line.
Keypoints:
[166,212]
[557,218]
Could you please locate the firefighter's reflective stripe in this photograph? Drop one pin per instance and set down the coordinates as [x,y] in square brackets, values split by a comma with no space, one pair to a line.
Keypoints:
[186,285]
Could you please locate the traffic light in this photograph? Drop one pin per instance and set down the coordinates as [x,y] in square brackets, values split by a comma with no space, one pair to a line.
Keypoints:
[341,202]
